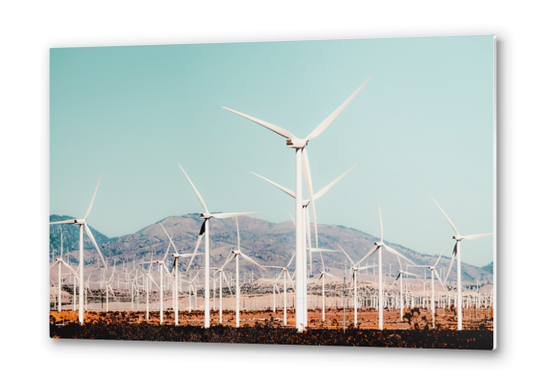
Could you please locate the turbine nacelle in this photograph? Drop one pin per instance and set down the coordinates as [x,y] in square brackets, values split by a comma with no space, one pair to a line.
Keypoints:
[457,238]
[205,215]
[296,143]
[379,243]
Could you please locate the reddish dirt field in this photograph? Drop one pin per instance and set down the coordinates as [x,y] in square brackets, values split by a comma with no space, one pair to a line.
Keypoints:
[367,319]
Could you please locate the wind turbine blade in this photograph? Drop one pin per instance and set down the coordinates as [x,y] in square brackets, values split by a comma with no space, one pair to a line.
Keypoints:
[329,274]
[410,273]
[95,245]
[381,226]
[439,256]
[226,215]
[366,267]
[346,254]
[290,261]
[195,277]
[284,189]
[187,255]
[308,182]
[252,261]
[324,124]
[441,283]
[202,228]
[399,261]
[228,259]
[324,250]
[371,251]
[291,216]
[195,190]
[227,283]
[389,249]
[157,286]
[291,280]
[238,236]
[170,241]
[316,282]
[54,264]
[93,197]
[71,221]
[111,277]
[451,262]
[321,192]
[278,277]
[275,128]
[67,265]
[112,292]
[167,251]
[472,237]
[167,271]
[447,218]
[197,245]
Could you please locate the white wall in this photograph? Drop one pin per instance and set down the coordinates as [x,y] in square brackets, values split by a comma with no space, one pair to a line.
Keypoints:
[29,29]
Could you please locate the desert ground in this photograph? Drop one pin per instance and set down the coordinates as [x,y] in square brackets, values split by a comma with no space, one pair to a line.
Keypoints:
[262,320]
[258,308]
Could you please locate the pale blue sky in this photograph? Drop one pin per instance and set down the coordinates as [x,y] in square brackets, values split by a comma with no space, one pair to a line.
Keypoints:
[423,126]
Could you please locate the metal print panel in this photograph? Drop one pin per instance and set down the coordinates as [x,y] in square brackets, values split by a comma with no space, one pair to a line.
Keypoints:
[333,192]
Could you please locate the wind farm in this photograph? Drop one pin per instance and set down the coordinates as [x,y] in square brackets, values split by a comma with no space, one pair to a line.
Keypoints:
[256,287]
[171,269]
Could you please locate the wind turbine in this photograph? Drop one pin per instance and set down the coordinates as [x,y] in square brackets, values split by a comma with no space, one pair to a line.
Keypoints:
[354,270]
[378,245]
[191,288]
[322,276]
[148,278]
[176,257]
[306,227]
[162,268]
[400,277]
[235,253]
[284,272]
[305,205]
[221,277]
[87,289]
[59,261]
[433,269]
[205,230]
[83,223]
[74,273]
[108,288]
[301,163]
[457,251]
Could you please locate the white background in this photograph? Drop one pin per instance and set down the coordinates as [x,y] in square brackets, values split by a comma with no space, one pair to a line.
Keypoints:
[28,29]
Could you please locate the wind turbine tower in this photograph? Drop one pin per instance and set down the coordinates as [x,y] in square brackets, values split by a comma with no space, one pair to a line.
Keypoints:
[301,163]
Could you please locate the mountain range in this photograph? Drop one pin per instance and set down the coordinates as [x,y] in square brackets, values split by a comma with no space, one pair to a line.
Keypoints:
[267,243]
